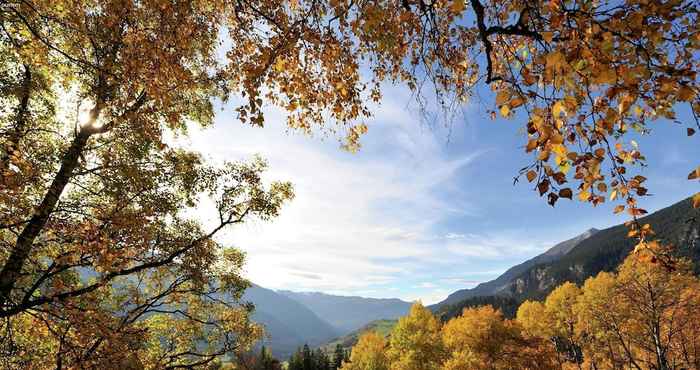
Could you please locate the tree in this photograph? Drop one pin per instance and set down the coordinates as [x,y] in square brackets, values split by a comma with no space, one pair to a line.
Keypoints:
[368,354]
[597,320]
[251,361]
[533,318]
[415,341]
[482,339]
[652,317]
[296,361]
[559,309]
[339,356]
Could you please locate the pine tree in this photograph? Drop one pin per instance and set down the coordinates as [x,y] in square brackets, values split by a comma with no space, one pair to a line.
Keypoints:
[296,361]
[307,358]
[321,361]
[338,356]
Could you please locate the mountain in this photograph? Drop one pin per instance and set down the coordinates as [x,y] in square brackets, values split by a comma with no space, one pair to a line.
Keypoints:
[288,323]
[349,313]
[383,327]
[582,258]
[493,287]
[678,225]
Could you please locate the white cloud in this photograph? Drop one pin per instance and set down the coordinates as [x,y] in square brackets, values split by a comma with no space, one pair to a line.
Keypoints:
[360,222]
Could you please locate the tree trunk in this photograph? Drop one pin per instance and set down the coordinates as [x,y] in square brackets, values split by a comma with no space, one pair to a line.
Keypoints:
[12,269]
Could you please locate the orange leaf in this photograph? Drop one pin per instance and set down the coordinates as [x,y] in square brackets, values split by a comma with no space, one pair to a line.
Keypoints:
[694,174]
[516,102]
[531,175]
[696,200]
[619,209]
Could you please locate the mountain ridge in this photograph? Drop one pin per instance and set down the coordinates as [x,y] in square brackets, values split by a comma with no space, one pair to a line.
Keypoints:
[492,287]
[288,323]
[348,313]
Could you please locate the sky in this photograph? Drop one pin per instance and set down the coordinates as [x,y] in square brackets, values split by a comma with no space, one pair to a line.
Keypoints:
[423,209]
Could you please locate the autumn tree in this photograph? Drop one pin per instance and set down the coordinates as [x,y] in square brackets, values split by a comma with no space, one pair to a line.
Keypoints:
[534,320]
[482,339]
[560,314]
[598,322]
[370,353]
[645,314]
[415,342]
[101,265]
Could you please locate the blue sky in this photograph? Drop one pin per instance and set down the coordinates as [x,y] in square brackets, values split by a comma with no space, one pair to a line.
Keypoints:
[423,209]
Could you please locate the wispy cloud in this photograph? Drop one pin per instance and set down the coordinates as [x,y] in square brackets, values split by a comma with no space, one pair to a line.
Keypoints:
[353,213]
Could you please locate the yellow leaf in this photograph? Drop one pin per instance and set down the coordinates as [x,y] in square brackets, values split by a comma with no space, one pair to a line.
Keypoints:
[638,111]
[619,209]
[696,200]
[560,150]
[584,195]
[505,110]
[558,108]
[564,166]
[555,59]
[279,65]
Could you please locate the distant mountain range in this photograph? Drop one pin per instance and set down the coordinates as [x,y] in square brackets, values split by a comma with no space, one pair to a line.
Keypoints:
[349,313]
[293,319]
[288,323]
[577,259]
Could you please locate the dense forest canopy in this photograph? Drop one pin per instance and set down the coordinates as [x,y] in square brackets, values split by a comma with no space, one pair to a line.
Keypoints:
[99,256]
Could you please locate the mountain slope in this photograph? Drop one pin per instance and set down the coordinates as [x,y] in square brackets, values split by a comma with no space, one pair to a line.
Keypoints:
[288,323]
[495,286]
[604,250]
[678,225]
[349,313]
